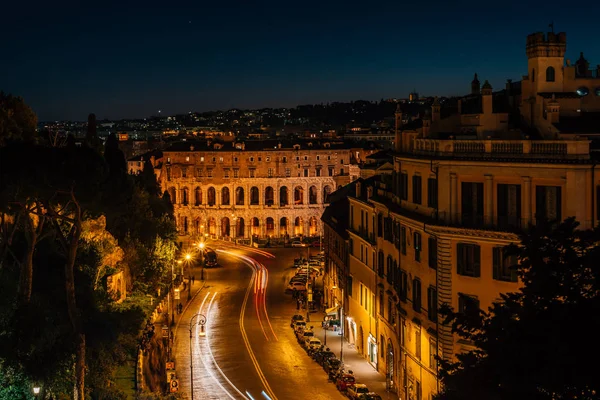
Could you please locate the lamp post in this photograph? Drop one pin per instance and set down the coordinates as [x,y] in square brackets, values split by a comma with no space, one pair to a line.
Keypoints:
[202,245]
[201,322]
[36,391]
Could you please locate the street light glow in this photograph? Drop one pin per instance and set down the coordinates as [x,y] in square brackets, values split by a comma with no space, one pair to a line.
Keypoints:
[201,245]
[36,390]
[188,256]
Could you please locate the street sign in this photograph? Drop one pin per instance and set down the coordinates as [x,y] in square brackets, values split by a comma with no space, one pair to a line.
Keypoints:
[174,385]
[170,365]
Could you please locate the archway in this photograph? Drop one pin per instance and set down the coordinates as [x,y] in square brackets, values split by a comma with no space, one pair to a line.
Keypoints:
[255,227]
[283,226]
[225,226]
[298,226]
[212,226]
[283,196]
[269,196]
[326,192]
[312,228]
[184,196]
[298,195]
[239,196]
[173,195]
[389,361]
[312,195]
[225,196]
[240,225]
[253,196]
[270,226]
[197,196]
[211,196]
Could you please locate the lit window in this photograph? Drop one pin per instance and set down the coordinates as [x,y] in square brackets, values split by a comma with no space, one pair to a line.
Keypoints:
[187,158]
[270,172]
[318,158]
[220,159]
[268,158]
[202,159]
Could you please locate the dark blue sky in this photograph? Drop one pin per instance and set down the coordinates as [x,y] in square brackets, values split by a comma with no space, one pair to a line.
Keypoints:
[129,59]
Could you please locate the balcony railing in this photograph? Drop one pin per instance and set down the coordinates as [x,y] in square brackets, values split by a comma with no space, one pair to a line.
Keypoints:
[490,148]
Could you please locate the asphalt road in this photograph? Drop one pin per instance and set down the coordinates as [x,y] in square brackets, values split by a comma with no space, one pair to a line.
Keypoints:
[249,350]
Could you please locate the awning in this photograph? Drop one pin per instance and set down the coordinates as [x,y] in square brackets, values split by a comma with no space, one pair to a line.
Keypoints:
[332,310]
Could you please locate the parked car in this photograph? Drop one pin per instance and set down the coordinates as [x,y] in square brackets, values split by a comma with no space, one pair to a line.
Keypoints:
[356,390]
[369,396]
[322,357]
[332,364]
[313,343]
[297,243]
[296,317]
[344,381]
[304,336]
[299,324]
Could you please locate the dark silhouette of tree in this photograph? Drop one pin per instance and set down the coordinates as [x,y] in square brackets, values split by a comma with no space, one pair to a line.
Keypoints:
[148,180]
[18,122]
[526,344]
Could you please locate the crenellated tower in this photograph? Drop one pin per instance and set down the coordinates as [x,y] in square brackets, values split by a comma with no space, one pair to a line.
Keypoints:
[546,54]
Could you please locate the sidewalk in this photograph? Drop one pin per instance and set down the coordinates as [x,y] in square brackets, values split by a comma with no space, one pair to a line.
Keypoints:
[363,370]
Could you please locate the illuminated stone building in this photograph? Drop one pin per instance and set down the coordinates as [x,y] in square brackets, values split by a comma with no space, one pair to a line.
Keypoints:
[257,189]
[468,177]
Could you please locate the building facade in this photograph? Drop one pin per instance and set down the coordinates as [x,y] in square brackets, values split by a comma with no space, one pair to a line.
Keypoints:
[266,189]
[466,182]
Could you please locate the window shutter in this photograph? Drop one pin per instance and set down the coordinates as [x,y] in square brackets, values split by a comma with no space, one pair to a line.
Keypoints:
[477,261]
[497,267]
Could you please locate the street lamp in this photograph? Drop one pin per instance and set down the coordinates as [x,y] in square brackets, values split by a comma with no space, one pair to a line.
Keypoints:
[36,391]
[202,245]
[201,322]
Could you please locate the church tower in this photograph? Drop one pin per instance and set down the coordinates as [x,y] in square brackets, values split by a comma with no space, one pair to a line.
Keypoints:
[475,87]
[545,54]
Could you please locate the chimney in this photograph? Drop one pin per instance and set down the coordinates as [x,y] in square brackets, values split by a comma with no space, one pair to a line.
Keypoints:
[358,189]
[369,192]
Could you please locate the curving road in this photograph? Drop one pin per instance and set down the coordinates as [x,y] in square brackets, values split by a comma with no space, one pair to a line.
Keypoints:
[249,350]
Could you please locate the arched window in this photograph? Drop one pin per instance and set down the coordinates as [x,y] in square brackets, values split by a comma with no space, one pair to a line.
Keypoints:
[269,196]
[184,196]
[550,74]
[299,195]
[225,196]
[533,75]
[283,226]
[239,196]
[312,195]
[253,196]
[198,195]
[211,196]
[298,226]
[326,191]
[283,196]
[239,227]
[270,226]
[255,226]
[225,226]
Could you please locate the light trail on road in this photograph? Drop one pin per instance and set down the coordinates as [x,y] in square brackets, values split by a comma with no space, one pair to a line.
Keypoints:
[259,296]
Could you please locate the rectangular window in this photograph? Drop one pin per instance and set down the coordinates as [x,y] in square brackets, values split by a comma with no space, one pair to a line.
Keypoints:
[288,172]
[268,159]
[467,303]
[416,295]
[468,259]
[403,240]
[403,186]
[202,159]
[432,353]
[184,172]
[381,304]
[432,193]
[349,285]
[305,172]
[270,172]
[209,173]
[416,189]
[472,203]
[502,264]
[259,158]
[220,159]
[214,159]
[199,172]
[509,206]
[330,171]
[403,285]
[547,203]
[226,173]
[252,171]
[236,173]
[418,390]
[318,172]
[187,158]
[417,246]
[432,252]
[432,306]
[168,173]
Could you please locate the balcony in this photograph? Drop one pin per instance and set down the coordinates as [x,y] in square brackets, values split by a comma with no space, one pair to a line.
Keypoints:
[491,148]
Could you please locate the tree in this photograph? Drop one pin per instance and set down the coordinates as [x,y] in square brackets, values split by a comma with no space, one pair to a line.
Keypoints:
[18,122]
[524,343]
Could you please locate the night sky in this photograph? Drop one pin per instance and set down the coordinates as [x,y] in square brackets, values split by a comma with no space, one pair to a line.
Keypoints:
[128,59]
